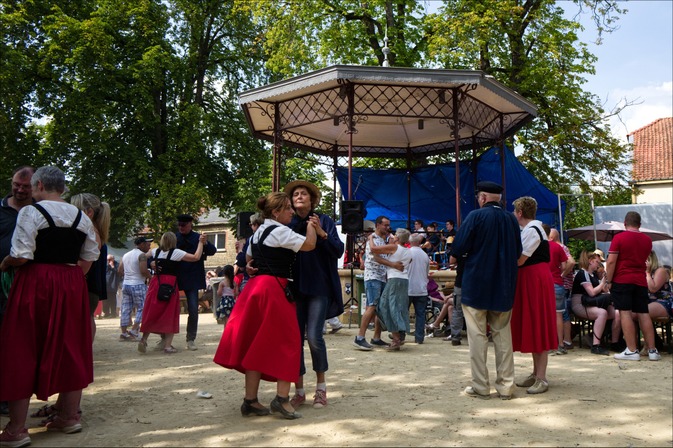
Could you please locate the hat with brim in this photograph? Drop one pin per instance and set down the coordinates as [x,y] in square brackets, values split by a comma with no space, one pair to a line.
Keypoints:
[185,218]
[312,189]
[142,239]
[600,254]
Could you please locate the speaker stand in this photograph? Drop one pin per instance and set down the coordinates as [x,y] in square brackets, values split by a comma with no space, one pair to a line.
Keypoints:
[352,301]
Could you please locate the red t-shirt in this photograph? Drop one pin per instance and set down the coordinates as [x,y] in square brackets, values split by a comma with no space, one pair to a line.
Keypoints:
[556,256]
[633,249]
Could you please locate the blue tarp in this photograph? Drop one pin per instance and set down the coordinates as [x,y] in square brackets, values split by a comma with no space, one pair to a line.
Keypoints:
[433,189]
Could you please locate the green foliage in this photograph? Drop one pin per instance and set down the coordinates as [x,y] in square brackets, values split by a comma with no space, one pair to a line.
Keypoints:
[529,46]
[137,100]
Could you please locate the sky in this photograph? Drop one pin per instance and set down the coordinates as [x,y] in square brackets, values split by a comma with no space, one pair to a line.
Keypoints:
[635,63]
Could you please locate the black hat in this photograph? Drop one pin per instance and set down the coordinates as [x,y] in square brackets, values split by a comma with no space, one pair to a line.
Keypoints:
[489,187]
[185,218]
[142,239]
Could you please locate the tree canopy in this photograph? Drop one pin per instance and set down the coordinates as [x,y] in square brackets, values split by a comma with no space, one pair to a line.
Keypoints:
[137,100]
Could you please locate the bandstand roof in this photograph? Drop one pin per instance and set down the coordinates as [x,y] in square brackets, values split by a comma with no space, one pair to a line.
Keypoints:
[392,111]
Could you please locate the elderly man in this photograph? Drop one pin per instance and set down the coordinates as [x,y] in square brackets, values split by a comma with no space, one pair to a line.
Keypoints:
[9,209]
[490,239]
[418,284]
[192,276]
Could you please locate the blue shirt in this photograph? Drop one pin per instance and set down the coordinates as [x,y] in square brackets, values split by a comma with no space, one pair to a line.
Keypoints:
[316,272]
[193,275]
[490,239]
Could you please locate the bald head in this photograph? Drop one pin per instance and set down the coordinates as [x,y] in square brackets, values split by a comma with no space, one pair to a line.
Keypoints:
[554,235]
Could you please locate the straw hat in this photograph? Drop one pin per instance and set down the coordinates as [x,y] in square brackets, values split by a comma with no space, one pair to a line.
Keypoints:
[600,254]
[312,189]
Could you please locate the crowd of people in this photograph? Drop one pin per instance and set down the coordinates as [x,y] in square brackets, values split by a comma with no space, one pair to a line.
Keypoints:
[284,288]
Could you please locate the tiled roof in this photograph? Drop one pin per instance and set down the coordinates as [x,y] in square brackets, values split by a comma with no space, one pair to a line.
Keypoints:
[653,151]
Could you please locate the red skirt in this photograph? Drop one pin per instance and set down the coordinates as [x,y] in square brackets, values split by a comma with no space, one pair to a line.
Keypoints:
[262,333]
[534,312]
[158,316]
[45,339]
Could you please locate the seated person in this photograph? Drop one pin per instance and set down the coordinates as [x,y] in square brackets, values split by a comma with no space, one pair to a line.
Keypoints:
[419,228]
[449,232]
[587,282]
[659,287]
[437,297]
[433,239]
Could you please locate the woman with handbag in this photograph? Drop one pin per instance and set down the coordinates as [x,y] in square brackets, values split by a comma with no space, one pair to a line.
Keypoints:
[586,287]
[161,313]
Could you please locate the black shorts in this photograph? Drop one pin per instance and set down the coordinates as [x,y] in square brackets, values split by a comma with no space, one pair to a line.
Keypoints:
[628,297]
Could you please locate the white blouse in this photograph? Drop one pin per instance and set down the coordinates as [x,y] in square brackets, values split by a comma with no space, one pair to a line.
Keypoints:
[30,220]
[282,236]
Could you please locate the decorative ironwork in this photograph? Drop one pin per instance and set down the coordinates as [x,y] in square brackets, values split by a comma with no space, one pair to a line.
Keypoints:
[316,119]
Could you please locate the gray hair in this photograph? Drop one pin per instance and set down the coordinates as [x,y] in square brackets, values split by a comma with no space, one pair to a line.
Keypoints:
[256,218]
[402,235]
[416,238]
[52,178]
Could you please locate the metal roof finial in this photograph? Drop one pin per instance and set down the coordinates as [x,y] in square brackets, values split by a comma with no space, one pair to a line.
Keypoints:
[386,50]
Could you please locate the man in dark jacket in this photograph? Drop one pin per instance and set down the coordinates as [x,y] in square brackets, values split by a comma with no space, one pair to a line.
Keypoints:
[491,241]
[192,276]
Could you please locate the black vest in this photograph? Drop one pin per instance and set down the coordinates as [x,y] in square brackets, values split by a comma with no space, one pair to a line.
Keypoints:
[57,245]
[541,254]
[276,261]
[167,266]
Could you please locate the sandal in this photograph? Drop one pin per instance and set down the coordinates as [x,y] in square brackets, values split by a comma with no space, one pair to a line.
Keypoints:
[45,411]
[170,350]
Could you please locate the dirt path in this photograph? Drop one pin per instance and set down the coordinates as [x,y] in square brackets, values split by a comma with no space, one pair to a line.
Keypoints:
[408,398]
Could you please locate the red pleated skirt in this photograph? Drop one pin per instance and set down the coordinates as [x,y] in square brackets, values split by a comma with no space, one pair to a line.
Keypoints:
[45,339]
[534,312]
[158,316]
[262,333]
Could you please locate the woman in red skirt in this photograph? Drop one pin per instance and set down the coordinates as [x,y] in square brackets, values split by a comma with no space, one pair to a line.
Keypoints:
[45,340]
[534,313]
[163,317]
[262,338]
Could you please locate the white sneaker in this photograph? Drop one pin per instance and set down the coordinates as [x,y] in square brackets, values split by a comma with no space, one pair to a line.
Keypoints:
[628,355]
[654,355]
[191,345]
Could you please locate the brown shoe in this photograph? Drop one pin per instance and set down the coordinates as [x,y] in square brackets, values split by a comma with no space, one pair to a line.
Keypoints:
[394,346]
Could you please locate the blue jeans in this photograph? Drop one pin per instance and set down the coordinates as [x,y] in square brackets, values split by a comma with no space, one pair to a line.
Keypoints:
[193,309]
[419,310]
[311,311]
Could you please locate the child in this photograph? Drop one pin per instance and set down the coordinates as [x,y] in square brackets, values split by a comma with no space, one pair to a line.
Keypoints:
[227,291]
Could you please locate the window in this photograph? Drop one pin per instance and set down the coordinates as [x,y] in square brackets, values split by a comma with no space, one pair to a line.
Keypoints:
[219,240]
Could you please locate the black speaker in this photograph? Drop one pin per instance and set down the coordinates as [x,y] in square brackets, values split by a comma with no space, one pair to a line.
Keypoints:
[352,216]
[243,229]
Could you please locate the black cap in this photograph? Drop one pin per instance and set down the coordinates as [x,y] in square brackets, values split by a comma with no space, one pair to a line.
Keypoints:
[185,218]
[489,187]
[142,239]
